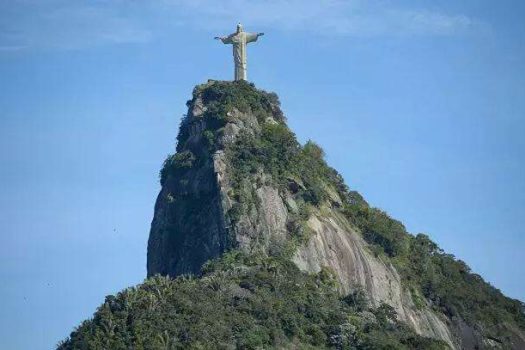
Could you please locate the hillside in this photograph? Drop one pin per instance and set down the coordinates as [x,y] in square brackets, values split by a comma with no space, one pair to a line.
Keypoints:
[266,247]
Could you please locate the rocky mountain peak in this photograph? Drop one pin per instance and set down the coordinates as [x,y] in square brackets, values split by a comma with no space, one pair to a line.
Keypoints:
[257,243]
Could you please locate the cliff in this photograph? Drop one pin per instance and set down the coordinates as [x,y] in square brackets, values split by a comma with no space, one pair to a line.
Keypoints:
[277,223]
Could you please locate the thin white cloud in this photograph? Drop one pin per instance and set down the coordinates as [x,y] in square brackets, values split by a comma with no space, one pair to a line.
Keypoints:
[331,17]
[73,24]
[66,25]
[12,48]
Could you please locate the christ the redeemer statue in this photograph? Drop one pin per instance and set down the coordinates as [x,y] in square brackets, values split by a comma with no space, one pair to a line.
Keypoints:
[239,39]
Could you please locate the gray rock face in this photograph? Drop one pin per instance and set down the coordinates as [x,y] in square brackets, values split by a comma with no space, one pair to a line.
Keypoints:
[188,226]
[335,244]
[192,224]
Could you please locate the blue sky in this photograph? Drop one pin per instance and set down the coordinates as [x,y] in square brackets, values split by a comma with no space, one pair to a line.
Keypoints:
[419,104]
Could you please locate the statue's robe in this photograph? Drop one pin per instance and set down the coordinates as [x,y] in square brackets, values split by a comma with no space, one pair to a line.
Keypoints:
[239,41]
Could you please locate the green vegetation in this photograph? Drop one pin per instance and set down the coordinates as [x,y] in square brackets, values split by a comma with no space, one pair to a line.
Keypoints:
[379,229]
[452,287]
[287,166]
[175,164]
[256,302]
[244,302]
[270,149]
[221,98]
[276,152]
[447,283]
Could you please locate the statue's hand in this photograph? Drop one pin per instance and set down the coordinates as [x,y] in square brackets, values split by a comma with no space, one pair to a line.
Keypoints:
[217,38]
[260,34]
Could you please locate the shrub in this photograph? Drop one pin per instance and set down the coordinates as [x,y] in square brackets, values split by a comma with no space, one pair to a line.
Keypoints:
[175,163]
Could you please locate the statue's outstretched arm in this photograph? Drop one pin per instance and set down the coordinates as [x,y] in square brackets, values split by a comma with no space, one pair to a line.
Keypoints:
[224,39]
[251,37]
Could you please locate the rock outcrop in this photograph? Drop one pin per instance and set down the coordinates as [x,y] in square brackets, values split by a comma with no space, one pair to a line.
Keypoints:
[205,208]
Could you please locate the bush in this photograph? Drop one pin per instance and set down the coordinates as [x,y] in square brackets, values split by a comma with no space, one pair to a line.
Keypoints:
[222,97]
[379,229]
[176,163]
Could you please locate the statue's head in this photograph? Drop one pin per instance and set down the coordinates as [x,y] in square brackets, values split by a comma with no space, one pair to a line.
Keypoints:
[239,27]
